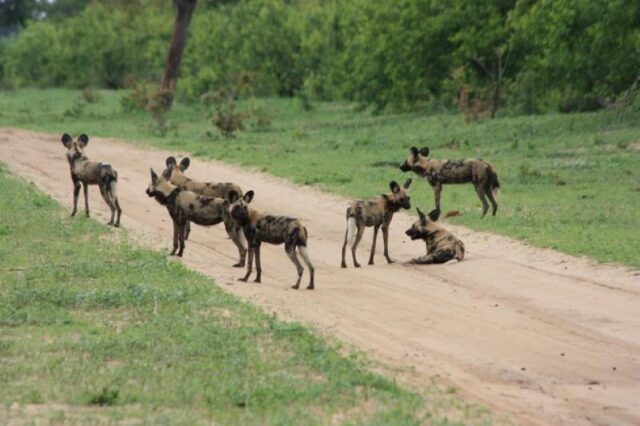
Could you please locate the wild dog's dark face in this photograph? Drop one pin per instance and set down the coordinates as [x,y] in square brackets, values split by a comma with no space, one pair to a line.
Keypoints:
[400,194]
[175,170]
[75,148]
[424,226]
[239,207]
[415,154]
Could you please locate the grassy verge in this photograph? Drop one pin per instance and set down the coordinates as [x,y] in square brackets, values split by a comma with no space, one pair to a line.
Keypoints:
[570,182]
[95,330]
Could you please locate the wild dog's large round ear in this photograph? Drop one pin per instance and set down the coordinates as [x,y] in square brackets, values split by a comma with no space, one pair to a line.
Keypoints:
[154,177]
[423,218]
[66,140]
[424,151]
[414,151]
[248,196]
[395,188]
[232,196]
[434,215]
[184,164]
[171,161]
[407,183]
[83,139]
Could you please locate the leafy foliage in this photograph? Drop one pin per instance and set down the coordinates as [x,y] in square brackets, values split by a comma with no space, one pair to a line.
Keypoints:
[533,56]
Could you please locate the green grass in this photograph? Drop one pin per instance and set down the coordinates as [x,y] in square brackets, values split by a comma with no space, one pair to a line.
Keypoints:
[93,329]
[570,182]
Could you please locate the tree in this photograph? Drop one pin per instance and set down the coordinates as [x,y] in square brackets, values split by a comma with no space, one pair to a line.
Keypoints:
[184,11]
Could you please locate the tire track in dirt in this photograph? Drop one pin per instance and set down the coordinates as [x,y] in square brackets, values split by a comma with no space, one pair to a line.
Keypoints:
[541,336]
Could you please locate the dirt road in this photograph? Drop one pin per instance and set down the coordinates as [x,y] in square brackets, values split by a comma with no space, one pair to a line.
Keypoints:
[536,335]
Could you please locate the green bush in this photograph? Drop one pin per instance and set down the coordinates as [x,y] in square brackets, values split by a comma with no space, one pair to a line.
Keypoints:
[532,56]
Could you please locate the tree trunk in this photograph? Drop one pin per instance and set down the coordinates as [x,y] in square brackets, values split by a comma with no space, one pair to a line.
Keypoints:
[184,11]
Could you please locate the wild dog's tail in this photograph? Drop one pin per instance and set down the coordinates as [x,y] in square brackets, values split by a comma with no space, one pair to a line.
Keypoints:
[493,184]
[110,182]
[305,256]
[302,236]
[351,227]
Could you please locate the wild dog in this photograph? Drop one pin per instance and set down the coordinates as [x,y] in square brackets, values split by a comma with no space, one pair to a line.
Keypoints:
[376,212]
[442,246]
[174,173]
[185,206]
[439,172]
[85,173]
[261,228]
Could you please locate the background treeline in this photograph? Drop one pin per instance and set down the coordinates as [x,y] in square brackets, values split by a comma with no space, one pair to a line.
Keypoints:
[529,55]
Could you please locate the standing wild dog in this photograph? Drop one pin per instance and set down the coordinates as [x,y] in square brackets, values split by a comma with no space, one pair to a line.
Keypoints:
[87,173]
[376,212]
[438,172]
[442,246]
[174,174]
[261,228]
[185,206]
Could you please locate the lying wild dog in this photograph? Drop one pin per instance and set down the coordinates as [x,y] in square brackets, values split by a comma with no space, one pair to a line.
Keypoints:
[87,173]
[185,206]
[261,228]
[438,172]
[442,246]
[174,174]
[376,212]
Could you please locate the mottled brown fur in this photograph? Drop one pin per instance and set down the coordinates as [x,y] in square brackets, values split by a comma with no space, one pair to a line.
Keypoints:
[186,206]
[85,173]
[174,173]
[480,173]
[442,245]
[376,212]
[261,228]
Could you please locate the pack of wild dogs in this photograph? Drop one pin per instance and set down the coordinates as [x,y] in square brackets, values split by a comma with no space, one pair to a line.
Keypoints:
[211,203]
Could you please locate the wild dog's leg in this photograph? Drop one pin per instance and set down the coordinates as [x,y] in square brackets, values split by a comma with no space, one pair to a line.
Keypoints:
[422,260]
[344,247]
[373,246]
[236,236]
[305,257]
[481,194]
[85,188]
[181,233]
[291,252]
[112,191]
[349,235]
[76,193]
[243,245]
[258,264]
[187,230]
[119,212]
[107,199]
[439,256]
[437,190]
[175,237]
[492,200]
[355,245]
[249,264]
[385,238]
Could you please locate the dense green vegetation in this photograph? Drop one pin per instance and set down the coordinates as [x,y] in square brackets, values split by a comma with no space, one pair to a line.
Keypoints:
[93,330]
[570,181]
[544,55]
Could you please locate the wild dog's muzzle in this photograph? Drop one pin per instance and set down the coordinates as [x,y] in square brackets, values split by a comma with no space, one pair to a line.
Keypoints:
[413,233]
[405,167]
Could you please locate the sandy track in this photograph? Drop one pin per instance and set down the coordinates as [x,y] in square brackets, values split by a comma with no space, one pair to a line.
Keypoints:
[539,336]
